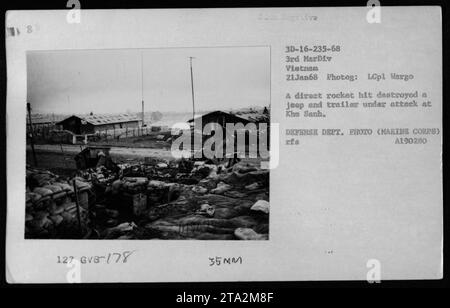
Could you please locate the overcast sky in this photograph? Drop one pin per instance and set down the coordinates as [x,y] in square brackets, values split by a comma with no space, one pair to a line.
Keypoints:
[109,81]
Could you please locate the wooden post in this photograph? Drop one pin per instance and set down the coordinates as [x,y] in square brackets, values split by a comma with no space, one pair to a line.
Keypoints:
[32,134]
[63,154]
[75,189]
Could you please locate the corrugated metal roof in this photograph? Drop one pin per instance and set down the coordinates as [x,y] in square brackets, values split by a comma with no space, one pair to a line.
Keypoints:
[247,115]
[110,119]
[99,119]
[254,117]
[218,112]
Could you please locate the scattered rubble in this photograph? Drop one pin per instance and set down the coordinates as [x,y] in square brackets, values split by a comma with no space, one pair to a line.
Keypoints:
[199,190]
[221,188]
[153,199]
[261,205]
[253,186]
[206,209]
[249,234]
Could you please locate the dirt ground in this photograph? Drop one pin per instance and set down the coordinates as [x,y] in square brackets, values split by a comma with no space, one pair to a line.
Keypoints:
[149,142]
[62,162]
[50,157]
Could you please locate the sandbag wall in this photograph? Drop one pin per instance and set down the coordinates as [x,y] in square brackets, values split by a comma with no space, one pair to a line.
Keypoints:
[51,210]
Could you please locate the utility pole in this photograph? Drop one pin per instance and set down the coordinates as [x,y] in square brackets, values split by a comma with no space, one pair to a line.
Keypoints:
[31,133]
[192,89]
[142,85]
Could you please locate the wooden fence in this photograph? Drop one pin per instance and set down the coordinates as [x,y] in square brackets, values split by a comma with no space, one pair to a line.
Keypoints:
[51,134]
[116,134]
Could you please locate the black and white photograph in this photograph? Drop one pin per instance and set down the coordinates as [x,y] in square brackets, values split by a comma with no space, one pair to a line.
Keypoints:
[224,145]
[103,127]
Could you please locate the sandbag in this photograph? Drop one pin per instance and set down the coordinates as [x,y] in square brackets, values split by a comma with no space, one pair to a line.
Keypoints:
[42,191]
[249,234]
[53,188]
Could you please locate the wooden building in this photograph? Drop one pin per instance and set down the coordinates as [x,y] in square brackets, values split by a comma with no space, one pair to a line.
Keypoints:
[245,117]
[91,124]
[219,117]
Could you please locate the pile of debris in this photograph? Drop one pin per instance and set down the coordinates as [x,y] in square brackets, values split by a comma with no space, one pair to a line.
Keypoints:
[154,199]
[185,199]
[226,204]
